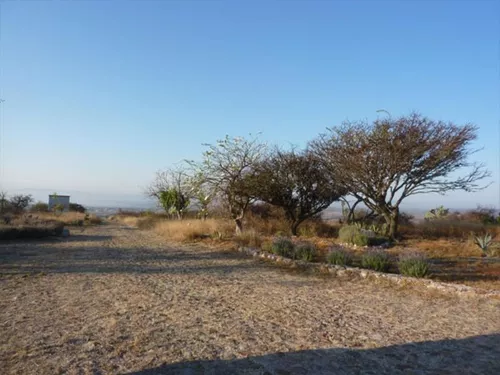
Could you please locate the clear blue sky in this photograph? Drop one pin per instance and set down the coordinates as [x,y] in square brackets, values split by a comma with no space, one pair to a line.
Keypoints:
[99,95]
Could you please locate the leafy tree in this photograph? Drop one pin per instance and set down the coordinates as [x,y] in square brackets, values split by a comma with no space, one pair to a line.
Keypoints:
[387,161]
[229,170]
[40,207]
[200,191]
[20,202]
[170,189]
[296,182]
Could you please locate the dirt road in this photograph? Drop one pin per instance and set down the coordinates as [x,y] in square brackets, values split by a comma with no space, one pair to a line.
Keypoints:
[116,300]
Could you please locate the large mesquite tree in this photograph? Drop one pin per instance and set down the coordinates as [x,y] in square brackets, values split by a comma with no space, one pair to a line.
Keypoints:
[385,162]
[298,183]
[228,167]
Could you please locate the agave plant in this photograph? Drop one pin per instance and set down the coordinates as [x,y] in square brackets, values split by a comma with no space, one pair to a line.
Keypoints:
[483,242]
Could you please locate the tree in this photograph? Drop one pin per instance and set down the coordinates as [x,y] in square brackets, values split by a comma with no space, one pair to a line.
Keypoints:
[384,163]
[40,207]
[170,190]
[4,202]
[200,191]
[296,182]
[229,170]
[20,202]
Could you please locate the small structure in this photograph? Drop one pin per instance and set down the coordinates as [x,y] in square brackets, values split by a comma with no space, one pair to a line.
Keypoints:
[56,199]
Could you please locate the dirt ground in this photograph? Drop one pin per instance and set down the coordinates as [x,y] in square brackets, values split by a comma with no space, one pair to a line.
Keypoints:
[115,300]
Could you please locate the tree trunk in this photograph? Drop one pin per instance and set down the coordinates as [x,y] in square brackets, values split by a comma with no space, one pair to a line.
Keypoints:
[393,224]
[239,226]
[294,228]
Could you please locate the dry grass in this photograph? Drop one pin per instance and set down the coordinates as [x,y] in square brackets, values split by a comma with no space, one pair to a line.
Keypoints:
[70,218]
[191,230]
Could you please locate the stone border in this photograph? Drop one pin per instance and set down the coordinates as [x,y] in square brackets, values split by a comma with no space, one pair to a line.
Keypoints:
[339,271]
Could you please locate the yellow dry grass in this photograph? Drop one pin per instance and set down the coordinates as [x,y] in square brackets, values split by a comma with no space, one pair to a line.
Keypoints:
[190,230]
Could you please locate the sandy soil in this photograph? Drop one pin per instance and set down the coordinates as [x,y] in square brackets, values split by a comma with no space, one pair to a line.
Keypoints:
[115,300]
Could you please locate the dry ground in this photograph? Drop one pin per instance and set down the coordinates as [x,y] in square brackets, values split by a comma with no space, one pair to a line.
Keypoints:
[117,300]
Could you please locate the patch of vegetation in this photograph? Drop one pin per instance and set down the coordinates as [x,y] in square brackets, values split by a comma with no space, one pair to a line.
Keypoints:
[414,265]
[283,246]
[339,257]
[352,234]
[376,260]
[484,242]
[249,238]
[305,251]
[31,231]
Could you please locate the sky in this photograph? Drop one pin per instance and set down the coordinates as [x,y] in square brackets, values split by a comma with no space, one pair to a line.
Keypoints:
[98,95]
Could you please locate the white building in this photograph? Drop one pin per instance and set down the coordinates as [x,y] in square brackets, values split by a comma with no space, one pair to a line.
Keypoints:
[54,200]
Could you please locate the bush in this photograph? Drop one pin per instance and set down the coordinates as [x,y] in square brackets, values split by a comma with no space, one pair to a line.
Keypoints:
[414,265]
[28,232]
[75,207]
[40,207]
[352,234]
[249,238]
[283,246]
[339,257]
[376,260]
[305,251]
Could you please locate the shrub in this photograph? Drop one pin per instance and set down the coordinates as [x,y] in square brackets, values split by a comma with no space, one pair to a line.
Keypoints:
[414,265]
[305,251]
[40,207]
[376,260]
[437,213]
[339,257]
[75,207]
[484,242]
[353,235]
[249,238]
[283,246]
[32,231]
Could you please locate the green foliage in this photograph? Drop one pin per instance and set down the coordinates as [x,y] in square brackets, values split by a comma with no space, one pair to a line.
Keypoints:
[173,201]
[352,234]
[305,251]
[437,213]
[339,257]
[483,242]
[376,260]
[414,265]
[40,207]
[283,246]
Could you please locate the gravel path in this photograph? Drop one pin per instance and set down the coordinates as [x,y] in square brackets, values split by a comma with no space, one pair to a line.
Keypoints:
[115,300]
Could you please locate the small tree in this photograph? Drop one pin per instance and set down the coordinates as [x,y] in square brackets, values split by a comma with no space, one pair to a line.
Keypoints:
[75,207]
[170,190]
[229,170]
[386,162]
[20,202]
[4,202]
[296,182]
[40,207]
[200,191]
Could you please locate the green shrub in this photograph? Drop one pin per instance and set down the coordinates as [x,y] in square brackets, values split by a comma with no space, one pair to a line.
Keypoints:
[283,246]
[376,260]
[353,235]
[339,257]
[305,251]
[40,207]
[414,265]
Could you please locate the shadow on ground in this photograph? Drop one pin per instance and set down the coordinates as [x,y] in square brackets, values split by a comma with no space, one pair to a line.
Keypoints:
[474,355]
